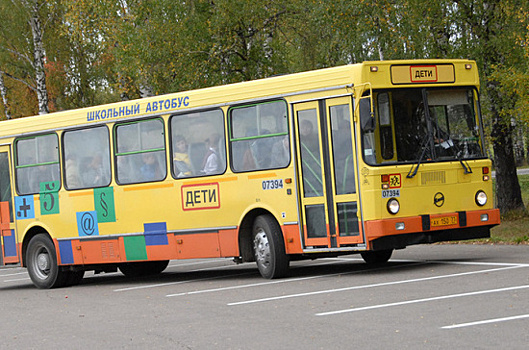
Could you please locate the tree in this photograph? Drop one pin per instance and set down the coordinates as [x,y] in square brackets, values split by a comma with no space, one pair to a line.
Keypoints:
[494,35]
[3,93]
[22,43]
[191,44]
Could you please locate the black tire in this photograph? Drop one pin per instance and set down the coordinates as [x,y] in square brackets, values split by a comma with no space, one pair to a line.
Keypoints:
[41,261]
[377,257]
[269,248]
[143,268]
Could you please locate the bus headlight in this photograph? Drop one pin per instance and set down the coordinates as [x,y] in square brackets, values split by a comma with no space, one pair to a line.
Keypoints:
[393,206]
[481,198]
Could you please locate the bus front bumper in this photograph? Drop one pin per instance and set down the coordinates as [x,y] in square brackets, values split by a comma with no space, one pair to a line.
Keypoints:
[398,233]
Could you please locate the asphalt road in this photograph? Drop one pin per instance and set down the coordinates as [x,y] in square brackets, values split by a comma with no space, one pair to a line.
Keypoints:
[426,297]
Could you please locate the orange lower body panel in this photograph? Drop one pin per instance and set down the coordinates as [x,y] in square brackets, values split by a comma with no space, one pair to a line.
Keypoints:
[380,228]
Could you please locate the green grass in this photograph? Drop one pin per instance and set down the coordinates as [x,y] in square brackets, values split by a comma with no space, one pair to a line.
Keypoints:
[514,227]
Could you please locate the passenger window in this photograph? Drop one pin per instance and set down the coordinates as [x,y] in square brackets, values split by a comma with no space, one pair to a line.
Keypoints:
[140,152]
[259,136]
[342,149]
[86,158]
[197,144]
[37,163]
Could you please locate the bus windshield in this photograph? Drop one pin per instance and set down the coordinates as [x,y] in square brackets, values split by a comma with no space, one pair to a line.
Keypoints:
[419,125]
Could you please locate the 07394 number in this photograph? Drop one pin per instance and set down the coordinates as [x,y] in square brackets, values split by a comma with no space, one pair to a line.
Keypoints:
[272,184]
[390,193]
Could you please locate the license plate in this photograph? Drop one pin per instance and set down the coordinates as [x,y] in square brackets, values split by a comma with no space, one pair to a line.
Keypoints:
[444,221]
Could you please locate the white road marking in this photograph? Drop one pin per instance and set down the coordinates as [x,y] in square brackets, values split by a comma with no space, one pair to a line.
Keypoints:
[476,263]
[13,274]
[179,282]
[17,280]
[249,285]
[289,280]
[383,284]
[443,297]
[494,320]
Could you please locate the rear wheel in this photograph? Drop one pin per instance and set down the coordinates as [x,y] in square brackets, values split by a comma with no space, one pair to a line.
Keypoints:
[269,248]
[377,257]
[143,268]
[41,261]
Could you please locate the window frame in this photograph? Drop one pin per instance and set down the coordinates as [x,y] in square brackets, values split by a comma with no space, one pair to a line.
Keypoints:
[231,139]
[115,153]
[63,153]
[16,166]
[171,146]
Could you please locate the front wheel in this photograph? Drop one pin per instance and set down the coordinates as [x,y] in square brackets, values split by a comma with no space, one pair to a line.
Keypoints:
[269,248]
[41,261]
[377,257]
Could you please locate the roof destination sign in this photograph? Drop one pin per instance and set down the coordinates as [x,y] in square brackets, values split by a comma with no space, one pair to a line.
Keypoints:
[421,74]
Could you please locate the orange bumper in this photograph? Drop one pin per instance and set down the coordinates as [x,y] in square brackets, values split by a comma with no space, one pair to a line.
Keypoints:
[386,227]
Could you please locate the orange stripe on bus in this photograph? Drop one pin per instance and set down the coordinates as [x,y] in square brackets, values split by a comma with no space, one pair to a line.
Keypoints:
[209,181]
[147,187]
[81,193]
[260,176]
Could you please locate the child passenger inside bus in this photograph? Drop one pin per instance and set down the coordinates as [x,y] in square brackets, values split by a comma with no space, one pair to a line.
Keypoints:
[150,170]
[211,164]
[281,153]
[93,172]
[182,164]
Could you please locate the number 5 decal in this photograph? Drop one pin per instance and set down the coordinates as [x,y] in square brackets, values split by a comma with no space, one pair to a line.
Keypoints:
[49,197]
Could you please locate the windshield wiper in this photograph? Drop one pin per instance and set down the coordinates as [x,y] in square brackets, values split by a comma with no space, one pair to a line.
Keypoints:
[449,144]
[424,147]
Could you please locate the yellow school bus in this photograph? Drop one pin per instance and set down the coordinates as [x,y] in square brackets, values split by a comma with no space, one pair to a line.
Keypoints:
[363,158]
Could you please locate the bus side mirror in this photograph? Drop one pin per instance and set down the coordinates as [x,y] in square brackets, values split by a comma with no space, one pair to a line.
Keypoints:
[367,121]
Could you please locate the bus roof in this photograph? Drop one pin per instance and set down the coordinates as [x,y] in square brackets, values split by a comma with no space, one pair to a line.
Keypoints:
[342,77]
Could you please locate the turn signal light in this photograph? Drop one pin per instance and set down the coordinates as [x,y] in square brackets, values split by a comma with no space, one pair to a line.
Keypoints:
[385,181]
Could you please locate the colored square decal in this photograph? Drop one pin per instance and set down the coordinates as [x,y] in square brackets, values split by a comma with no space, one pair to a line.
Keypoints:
[135,248]
[24,207]
[156,233]
[87,223]
[49,197]
[10,245]
[49,187]
[65,249]
[104,204]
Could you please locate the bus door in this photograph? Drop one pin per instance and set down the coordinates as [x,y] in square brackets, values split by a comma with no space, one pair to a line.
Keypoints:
[7,226]
[326,151]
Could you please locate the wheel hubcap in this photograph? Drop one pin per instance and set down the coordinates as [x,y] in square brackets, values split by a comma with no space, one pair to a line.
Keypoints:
[262,248]
[42,263]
